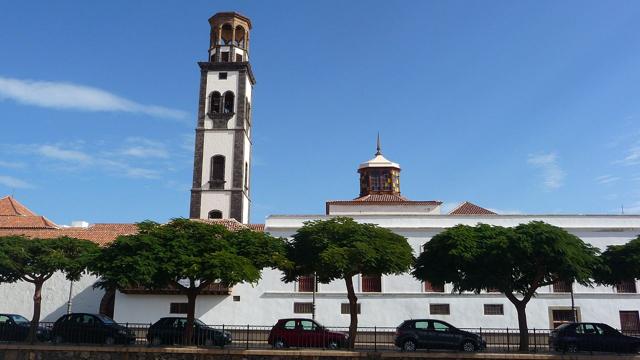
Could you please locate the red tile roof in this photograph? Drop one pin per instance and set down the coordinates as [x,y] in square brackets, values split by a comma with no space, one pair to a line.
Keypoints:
[101,235]
[467,208]
[230,224]
[377,199]
[14,215]
[256,227]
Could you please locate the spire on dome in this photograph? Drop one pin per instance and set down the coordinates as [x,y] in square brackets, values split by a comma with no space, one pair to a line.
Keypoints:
[379,151]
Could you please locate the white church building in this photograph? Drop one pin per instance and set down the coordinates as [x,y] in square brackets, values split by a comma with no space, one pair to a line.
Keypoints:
[221,194]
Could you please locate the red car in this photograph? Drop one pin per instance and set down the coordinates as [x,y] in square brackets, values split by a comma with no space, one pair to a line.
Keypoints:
[304,333]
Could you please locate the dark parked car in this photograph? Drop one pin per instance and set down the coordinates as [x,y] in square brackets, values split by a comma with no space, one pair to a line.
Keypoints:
[436,334]
[170,330]
[90,328]
[576,337]
[15,327]
[304,333]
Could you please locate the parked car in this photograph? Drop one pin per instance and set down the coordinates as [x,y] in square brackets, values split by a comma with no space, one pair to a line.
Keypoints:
[170,330]
[436,334]
[14,327]
[304,333]
[576,337]
[90,328]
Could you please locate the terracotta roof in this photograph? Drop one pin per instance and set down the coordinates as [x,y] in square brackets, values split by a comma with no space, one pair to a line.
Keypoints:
[377,199]
[100,234]
[230,224]
[467,208]
[256,227]
[14,215]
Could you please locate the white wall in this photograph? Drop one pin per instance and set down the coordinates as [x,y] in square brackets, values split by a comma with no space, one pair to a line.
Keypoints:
[17,298]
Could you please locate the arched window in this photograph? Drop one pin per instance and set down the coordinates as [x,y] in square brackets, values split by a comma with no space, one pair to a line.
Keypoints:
[240,37]
[226,34]
[215,214]
[228,102]
[217,172]
[216,100]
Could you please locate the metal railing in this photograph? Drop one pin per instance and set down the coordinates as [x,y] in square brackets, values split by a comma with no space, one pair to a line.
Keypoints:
[258,337]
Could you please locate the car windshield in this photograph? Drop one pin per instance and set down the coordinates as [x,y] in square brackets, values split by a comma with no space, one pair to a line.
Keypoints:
[18,319]
[105,319]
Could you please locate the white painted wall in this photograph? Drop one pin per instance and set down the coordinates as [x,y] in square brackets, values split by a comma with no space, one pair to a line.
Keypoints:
[402,296]
[17,298]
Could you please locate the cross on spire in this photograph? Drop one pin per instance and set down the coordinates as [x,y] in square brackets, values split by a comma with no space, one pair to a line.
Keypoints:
[379,151]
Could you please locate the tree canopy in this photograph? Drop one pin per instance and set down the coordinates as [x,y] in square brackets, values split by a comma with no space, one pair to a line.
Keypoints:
[620,263]
[340,248]
[517,261]
[189,256]
[36,260]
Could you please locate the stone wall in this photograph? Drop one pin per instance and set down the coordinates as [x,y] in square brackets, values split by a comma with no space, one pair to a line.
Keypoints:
[48,352]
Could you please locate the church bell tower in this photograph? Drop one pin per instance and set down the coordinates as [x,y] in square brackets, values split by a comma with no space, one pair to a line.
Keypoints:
[222,161]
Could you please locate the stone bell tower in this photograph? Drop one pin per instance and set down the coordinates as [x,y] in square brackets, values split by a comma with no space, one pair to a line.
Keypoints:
[222,160]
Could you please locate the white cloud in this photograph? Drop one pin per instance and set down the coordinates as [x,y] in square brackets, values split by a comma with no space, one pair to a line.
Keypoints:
[11,165]
[552,174]
[55,152]
[606,179]
[632,158]
[63,95]
[145,148]
[15,183]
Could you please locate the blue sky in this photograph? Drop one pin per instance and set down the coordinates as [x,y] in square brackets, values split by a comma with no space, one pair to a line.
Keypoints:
[527,106]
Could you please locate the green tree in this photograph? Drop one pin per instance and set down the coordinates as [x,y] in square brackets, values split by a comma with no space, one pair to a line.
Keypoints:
[189,256]
[36,260]
[341,248]
[517,261]
[619,263]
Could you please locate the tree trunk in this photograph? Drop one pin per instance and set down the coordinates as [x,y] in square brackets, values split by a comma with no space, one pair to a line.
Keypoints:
[353,311]
[191,310]
[521,308]
[35,319]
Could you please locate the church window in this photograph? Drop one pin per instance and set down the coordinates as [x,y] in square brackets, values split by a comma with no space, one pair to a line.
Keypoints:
[225,56]
[246,176]
[238,57]
[371,283]
[228,102]
[215,214]
[216,100]
[217,172]
[222,76]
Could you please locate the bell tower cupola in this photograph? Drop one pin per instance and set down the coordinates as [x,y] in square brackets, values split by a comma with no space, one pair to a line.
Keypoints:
[379,175]
[229,37]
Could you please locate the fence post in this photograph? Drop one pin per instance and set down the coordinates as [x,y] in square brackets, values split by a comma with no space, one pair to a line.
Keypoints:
[535,341]
[508,341]
[224,338]
[375,338]
[247,336]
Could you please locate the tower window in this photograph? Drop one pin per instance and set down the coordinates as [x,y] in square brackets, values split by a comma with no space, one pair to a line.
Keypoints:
[215,214]
[216,100]
[227,34]
[222,76]
[240,37]
[228,102]
[217,172]
[225,56]
[238,57]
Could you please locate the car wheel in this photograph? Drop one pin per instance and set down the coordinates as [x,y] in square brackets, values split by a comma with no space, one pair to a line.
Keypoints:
[571,348]
[279,344]
[409,345]
[156,341]
[58,339]
[332,345]
[468,346]
[109,340]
